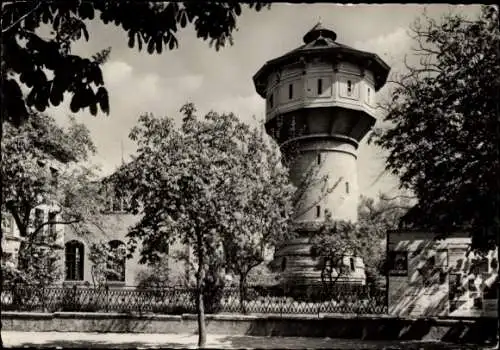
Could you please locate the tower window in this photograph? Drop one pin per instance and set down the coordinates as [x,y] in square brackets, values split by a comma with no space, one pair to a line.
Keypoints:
[349,87]
[319,158]
[283,264]
[52,220]
[347,187]
[318,211]
[368,95]
[290,91]
[320,86]
[351,261]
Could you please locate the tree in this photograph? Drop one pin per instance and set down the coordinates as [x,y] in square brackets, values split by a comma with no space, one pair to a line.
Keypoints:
[444,128]
[188,186]
[375,219]
[28,57]
[443,132]
[263,204]
[339,239]
[40,168]
[104,262]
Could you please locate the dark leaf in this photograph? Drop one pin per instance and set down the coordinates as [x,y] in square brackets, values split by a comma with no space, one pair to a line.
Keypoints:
[172,44]
[237,9]
[56,95]
[93,109]
[139,41]
[31,98]
[159,45]
[85,33]
[103,98]
[183,18]
[131,39]
[151,46]
[75,103]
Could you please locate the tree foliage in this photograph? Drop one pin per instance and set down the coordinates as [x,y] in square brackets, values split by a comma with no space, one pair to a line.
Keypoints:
[366,238]
[263,206]
[444,126]
[191,185]
[46,66]
[40,168]
[104,260]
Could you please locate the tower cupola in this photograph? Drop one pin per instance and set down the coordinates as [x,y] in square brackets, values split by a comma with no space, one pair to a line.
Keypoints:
[319,32]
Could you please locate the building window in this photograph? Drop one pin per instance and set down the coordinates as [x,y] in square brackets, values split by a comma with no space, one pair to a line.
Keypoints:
[116,261]
[120,203]
[319,158]
[38,219]
[109,205]
[117,204]
[349,87]
[52,220]
[368,95]
[397,262]
[271,100]
[318,211]
[320,86]
[347,187]
[54,179]
[74,261]
[290,91]
[7,226]
[351,261]
[164,248]
[7,257]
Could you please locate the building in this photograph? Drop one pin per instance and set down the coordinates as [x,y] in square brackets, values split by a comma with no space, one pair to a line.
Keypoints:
[435,275]
[320,103]
[74,248]
[81,269]
[45,216]
[12,238]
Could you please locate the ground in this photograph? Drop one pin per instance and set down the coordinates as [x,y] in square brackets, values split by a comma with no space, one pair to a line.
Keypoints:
[134,340]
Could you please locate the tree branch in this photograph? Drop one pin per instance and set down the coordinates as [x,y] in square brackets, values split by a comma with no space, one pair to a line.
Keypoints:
[385,210]
[17,219]
[31,237]
[397,197]
[327,192]
[39,3]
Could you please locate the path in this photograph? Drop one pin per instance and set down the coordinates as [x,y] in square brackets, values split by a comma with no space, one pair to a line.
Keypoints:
[135,340]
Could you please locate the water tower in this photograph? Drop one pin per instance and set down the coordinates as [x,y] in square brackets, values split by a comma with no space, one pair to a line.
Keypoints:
[320,104]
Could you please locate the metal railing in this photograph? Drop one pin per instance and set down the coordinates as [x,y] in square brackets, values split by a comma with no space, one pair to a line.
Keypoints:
[178,300]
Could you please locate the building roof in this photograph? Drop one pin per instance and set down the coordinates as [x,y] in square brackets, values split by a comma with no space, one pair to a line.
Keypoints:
[320,42]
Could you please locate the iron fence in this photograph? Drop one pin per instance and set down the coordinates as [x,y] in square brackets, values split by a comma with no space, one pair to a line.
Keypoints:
[178,300]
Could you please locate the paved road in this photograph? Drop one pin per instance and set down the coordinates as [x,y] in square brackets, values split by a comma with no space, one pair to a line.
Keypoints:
[131,340]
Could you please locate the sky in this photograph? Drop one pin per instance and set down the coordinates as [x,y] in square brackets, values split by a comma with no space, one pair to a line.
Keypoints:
[140,83]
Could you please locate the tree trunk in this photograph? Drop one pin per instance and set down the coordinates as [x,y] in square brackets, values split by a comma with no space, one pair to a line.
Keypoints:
[202,332]
[200,276]
[243,285]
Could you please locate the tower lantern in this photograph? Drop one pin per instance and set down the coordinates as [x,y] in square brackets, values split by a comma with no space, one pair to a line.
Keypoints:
[320,103]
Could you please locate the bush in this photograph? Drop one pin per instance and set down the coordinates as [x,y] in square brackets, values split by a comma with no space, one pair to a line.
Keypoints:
[155,276]
[214,284]
[213,292]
